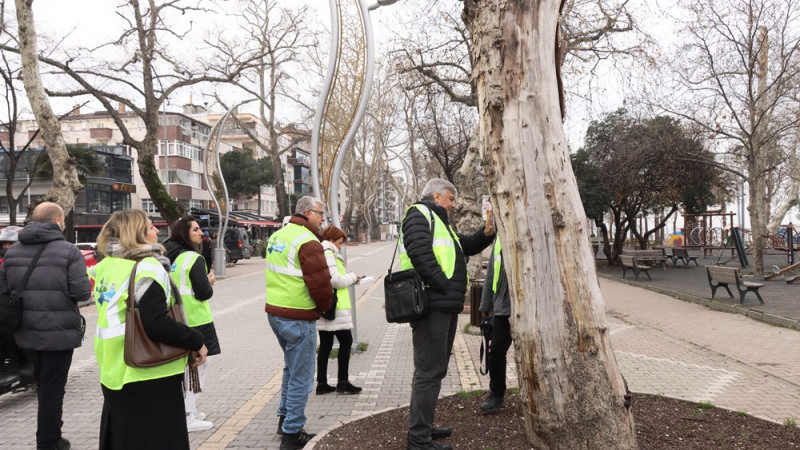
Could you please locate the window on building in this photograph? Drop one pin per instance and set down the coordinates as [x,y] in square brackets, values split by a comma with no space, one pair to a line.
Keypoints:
[149,207]
[196,204]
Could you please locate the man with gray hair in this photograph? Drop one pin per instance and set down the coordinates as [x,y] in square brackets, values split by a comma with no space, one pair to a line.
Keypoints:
[51,326]
[438,254]
[298,292]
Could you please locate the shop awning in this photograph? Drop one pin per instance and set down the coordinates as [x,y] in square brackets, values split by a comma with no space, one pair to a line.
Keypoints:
[257,223]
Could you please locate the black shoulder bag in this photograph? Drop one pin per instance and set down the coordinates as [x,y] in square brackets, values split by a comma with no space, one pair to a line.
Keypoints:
[404,291]
[11,300]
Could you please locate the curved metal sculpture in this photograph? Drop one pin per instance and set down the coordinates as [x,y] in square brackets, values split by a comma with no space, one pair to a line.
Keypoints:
[344,97]
[212,170]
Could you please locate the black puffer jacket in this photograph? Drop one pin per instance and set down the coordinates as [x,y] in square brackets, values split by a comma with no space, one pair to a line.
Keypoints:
[446,295]
[50,317]
[203,291]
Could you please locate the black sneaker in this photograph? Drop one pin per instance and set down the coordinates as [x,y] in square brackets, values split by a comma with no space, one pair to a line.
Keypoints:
[347,388]
[280,425]
[295,441]
[325,388]
[440,432]
[492,404]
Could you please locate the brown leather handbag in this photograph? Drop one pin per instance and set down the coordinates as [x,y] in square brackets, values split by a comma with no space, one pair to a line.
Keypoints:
[140,350]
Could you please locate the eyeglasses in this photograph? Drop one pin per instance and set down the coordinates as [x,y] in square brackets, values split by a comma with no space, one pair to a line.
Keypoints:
[321,213]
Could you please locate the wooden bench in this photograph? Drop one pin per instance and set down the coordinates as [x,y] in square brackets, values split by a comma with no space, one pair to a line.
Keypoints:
[629,262]
[724,276]
[683,255]
[649,257]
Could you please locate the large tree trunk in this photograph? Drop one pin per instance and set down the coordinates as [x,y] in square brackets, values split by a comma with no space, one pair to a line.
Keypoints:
[574,394]
[65,176]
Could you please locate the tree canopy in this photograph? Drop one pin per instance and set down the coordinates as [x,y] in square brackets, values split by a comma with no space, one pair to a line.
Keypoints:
[631,167]
[244,174]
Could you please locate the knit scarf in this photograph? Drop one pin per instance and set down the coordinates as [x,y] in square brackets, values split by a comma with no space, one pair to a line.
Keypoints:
[156,251]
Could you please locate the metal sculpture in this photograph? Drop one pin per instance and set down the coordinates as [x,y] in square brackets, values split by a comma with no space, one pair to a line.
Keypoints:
[212,171]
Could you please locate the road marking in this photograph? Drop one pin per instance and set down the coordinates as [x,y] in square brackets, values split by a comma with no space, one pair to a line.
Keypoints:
[230,430]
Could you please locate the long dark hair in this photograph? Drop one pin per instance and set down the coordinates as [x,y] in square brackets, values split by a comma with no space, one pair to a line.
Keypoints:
[180,230]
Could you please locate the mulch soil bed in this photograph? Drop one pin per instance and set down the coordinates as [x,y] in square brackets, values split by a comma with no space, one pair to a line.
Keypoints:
[661,423]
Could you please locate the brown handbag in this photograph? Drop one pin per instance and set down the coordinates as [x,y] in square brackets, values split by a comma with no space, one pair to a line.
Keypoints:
[140,350]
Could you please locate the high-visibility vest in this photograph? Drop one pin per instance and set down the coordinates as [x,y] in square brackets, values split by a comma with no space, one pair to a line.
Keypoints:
[111,277]
[285,285]
[498,261]
[342,294]
[444,243]
[197,312]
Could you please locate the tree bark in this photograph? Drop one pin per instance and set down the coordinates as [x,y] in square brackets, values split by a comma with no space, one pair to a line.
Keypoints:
[65,176]
[574,394]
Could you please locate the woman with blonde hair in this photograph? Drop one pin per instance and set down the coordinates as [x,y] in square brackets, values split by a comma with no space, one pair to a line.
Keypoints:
[342,322]
[142,407]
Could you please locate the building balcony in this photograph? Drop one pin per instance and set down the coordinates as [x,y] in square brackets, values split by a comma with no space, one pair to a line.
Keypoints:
[299,162]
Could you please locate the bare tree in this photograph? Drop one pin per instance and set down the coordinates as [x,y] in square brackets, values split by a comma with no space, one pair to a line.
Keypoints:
[65,175]
[140,70]
[736,76]
[281,38]
[574,393]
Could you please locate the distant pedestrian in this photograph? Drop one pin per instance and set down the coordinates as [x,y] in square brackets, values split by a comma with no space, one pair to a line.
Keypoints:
[51,326]
[298,291]
[342,323]
[143,408]
[440,259]
[496,302]
[196,285]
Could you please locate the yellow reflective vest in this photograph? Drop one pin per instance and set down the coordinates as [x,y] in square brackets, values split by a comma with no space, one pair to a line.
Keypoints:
[498,261]
[342,294]
[444,243]
[111,278]
[198,312]
[284,277]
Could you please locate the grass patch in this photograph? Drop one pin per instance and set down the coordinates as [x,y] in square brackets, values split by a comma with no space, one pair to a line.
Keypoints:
[466,328]
[705,405]
[512,391]
[470,394]
[334,353]
[741,413]
[362,346]
[790,422]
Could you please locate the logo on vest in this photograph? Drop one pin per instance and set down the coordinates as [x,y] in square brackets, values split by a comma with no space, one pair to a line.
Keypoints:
[105,292]
[276,246]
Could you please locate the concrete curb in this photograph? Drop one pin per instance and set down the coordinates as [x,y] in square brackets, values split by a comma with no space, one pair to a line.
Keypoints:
[772,319]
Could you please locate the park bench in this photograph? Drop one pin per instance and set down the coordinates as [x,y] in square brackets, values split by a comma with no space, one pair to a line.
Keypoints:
[725,276]
[683,255]
[649,257]
[629,262]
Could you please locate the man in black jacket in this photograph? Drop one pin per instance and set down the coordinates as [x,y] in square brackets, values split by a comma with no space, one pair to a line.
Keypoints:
[446,281]
[51,326]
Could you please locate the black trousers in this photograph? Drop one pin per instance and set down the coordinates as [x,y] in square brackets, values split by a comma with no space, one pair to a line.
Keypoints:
[50,369]
[144,415]
[345,338]
[501,341]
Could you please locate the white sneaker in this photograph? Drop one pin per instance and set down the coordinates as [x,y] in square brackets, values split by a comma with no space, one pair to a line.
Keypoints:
[200,415]
[195,424]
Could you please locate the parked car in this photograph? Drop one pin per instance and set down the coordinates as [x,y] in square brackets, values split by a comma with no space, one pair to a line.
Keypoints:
[89,252]
[235,240]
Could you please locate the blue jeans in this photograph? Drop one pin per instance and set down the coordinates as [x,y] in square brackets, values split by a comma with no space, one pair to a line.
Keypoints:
[298,340]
